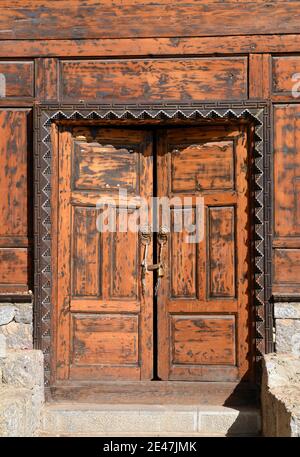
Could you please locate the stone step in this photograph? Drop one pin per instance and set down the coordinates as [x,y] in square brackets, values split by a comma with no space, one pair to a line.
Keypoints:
[16,412]
[78,419]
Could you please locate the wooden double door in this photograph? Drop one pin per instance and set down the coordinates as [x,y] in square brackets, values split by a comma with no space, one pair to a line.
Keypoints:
[108,324]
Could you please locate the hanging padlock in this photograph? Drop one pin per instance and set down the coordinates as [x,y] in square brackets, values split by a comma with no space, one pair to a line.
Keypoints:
[160,271]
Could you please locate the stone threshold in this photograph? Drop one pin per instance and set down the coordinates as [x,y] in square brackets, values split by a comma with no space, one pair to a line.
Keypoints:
[84,419]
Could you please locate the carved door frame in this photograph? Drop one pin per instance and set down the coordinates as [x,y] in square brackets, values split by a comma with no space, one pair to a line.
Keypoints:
[256,113]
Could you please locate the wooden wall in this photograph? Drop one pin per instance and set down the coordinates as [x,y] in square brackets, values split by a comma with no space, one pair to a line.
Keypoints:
[133,51]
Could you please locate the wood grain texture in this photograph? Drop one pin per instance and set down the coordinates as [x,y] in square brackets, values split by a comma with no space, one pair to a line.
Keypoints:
[154,80]
[134,47]
[19,79]
[86,255]
[208,340]
[283,69]
[46,79]
[10,241]
[98,305]
[14,205]
[14,268]
[124,263]
[286,170]
[208,166]
[162,393]
[61,206]
[286,270]
[286,242]
[222,249]
[91,19]
[183,268]
[102,339]
[13,173]
[260,75]
[105,167]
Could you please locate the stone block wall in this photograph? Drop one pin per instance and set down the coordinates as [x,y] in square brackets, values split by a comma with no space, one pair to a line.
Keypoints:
[287,324]
[16,325]
[280,395]
[21,372]
[280,399]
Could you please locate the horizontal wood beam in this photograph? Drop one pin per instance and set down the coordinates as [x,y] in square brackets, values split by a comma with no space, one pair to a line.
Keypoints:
[287,242]
[150,46]
[77,19]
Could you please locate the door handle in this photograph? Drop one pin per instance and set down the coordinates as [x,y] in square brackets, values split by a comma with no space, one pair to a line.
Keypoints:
[146,238]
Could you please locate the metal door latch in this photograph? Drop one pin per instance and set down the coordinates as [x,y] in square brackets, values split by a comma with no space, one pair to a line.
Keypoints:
[146,238]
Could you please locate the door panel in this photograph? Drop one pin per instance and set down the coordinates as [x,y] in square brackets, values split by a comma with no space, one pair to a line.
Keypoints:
[215,345]
[104,323]
[221,248]
[203,303]
[86,253]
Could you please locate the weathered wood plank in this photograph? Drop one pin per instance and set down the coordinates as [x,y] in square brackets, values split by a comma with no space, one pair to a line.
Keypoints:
[287,242]
[154,80]
[86,251]
[286,170]
[105,167]
[62,248]
[184,257]
[285,78]
[14,264]
[88,305]
[222,248]
[124,267]
[203,167]
[90,19]
[203,340]
[148,392]
[46,80]
[11,241]
[13,173]
[18,79]
[176,46]
[259,76]
[105,339]
[286,270]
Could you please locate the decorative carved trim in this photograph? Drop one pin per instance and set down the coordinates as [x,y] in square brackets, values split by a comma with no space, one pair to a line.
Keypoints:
[261,197]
